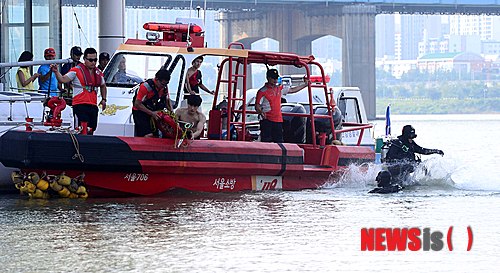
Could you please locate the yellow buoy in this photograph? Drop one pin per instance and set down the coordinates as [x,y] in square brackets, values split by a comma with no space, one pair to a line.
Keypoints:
[85,195]
[64,192]
[64,180]
[55,186]
[30,187]
[81,190]
[73,195]
[33,177]
[42,184]
[17,177]
[38,194]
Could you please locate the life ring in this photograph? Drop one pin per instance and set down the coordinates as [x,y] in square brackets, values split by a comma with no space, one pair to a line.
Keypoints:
[168,127]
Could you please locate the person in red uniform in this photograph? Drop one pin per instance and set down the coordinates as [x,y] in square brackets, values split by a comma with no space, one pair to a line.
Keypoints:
[86,78]
[194,81]
[268,106]
[151,99]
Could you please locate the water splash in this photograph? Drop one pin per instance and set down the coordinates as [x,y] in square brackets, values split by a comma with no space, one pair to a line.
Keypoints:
[434,173]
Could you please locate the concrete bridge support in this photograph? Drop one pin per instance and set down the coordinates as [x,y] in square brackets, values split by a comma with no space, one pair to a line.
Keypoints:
[295,29]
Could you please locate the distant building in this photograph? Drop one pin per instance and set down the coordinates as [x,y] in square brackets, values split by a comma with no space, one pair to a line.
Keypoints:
[462,62]
[396,67]
[385,38]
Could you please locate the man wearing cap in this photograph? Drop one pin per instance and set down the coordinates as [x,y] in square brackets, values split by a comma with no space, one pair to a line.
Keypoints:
[75,54]
[47,82]
[103,60]
[86,78]
[268,106]
[401,158]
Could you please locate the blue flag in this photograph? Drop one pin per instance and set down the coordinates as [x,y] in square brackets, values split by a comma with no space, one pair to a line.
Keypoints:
[388,120]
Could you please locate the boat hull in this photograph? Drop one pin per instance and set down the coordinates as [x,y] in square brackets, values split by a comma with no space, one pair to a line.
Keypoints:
[148,166]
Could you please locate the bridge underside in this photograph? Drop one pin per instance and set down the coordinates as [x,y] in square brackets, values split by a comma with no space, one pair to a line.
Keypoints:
[296,29]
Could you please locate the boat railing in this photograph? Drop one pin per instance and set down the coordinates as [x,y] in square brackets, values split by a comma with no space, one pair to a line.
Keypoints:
[353,126]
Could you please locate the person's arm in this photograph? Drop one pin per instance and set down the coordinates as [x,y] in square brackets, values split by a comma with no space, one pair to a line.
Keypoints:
[168,102]
[298,88]
[200,127]
[426,151]
[24,81]
[60,78]
[204,88]
[104,93]
[141,93]
[44,75]
[258,108]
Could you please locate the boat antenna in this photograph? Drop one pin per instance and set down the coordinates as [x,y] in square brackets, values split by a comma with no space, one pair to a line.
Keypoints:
[79,26]
[204,12]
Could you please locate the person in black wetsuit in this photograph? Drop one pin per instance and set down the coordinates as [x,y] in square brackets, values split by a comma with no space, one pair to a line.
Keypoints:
[384,184]
[401,159]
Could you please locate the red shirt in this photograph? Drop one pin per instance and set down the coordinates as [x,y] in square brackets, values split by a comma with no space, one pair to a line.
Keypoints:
[269,98]
[143,93]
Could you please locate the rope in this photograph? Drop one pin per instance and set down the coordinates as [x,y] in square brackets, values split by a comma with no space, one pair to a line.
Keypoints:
[77,148]
[14,127]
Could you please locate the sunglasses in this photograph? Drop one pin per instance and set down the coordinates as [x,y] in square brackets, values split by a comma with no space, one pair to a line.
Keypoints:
[91,60]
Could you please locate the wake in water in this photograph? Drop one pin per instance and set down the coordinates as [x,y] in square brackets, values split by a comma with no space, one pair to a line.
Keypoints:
[434,172]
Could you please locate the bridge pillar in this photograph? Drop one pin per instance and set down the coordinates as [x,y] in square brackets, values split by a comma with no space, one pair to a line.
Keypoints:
[358,57]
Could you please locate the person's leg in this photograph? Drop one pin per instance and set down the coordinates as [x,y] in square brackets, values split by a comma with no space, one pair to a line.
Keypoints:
[81,114]
[265,131]
[142,125]
[277,131]
[93,112]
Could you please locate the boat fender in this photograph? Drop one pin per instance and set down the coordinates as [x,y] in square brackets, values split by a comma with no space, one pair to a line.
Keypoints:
[64,192]
[17,177]
[33,177]
[38,194]
[42,184]
[64,180]
[29,187]
[85,195]
[55,186]
[73,195]
[81,190]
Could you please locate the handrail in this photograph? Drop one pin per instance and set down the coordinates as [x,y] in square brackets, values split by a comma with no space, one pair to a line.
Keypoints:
[32,63]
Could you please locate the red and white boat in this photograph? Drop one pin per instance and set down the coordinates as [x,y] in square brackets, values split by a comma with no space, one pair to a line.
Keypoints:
[121,165]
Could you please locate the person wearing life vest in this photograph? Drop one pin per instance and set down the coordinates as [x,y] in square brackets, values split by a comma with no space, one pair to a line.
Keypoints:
[401,158]
[268,106]
[151,98]
[194,81]
[86,78]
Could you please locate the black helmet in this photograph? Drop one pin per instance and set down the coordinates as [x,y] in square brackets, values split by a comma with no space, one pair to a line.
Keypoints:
[409,132]
[383,178]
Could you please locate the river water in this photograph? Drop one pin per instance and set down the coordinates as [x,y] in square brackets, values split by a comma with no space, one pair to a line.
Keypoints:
[305,231]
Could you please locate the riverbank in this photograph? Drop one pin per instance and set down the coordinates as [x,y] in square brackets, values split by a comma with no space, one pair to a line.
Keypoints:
[417,106]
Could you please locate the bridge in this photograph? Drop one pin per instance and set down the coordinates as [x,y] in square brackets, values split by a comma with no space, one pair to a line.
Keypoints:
[296,23]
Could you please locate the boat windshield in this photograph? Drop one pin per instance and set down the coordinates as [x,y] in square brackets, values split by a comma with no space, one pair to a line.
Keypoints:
[128,69]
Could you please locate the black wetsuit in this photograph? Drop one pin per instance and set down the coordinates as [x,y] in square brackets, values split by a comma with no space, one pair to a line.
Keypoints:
[401,159]
[392,188]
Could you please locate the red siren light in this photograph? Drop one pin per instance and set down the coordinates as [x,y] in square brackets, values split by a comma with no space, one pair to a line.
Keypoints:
[319,79]
[183,28]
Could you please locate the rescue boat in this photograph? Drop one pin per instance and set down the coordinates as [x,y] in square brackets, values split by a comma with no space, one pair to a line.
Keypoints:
[230,158]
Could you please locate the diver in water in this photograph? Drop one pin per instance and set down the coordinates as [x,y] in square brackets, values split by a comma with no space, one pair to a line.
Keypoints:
[401,159]
[384,184]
